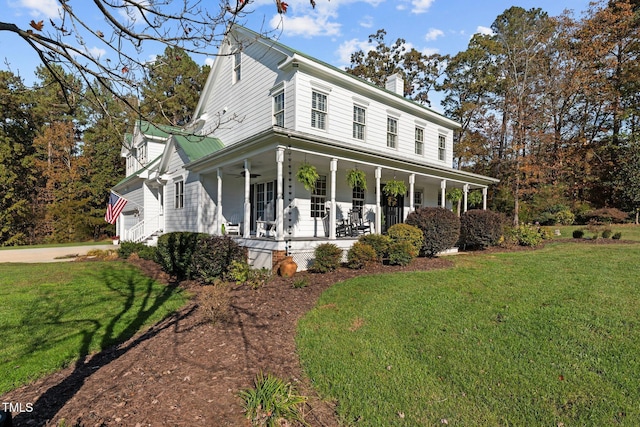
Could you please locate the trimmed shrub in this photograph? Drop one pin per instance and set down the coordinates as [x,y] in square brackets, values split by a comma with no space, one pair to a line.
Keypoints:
[604,216]
[327,258]
[379,242]
[407,233]
[175,251]
[617,236]
[606,233]
[578,234]
[480,228]
[441,229]
[527,235]
[213,257]
[128,248]
[360,255]
[402,253]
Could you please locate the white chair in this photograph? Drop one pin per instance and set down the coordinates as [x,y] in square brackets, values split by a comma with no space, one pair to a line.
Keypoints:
[234,225]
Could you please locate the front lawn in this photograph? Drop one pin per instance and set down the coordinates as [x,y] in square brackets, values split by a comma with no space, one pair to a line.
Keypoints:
[548,337]
[53,314]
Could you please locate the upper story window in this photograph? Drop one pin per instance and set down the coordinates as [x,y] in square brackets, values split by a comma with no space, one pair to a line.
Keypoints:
[392,132]
[359,122]
[237,66]
[179,194]
[142,154]
[419,149]
[278,109]
[442,147]
[319,198]
[318,110]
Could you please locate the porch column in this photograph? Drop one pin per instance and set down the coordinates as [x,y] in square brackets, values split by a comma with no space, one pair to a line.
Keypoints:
[332,206]
[412,182]
[484,199]
[279,196]
[219,203]
[378,175]
[443,193]
[246,232]
[466,194]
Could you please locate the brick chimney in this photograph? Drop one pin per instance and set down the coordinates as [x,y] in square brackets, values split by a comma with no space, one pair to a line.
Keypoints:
[395,84]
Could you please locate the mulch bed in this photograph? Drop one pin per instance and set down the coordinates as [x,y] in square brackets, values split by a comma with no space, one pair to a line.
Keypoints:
[185,371]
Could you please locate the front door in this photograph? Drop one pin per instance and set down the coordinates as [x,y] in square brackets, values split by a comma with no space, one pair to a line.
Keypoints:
[392,210]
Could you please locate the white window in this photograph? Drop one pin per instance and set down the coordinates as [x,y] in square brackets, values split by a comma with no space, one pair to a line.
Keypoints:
[442,147]
[319,110]
[278,109]
[319,198]
[237,66]
[419,141]
[392,132]
[357,198]
[179,190]
[359,122]
[417,199]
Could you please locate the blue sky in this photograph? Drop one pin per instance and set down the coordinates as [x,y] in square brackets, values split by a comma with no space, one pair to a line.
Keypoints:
[331,32]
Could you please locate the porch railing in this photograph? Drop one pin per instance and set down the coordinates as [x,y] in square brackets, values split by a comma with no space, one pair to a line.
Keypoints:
[139,232]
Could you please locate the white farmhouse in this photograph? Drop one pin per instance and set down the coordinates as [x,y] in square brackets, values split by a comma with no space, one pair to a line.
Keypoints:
[266,110]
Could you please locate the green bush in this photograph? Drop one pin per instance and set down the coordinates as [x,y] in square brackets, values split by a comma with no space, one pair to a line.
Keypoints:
[617,236]
[402,253]
[379,242]
[242,273]
[213,257]
[527,235]
[441,228]
[407,233]
[128,248]
[360,255]
[604,216]
[175,251]
[606,233]
[327,258]
[578,234]
[565,217]
[480,228]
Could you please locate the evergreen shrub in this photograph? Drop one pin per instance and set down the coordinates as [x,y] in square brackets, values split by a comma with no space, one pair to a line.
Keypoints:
[327,258]
[360,255]
[214,256]
[407,233]
[441,229]
[175,251]
[402,253]
[480,229]
[578,234]
[379,242]
[617,236]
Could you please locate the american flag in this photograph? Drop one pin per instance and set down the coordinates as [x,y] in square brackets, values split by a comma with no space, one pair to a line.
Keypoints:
[114,207]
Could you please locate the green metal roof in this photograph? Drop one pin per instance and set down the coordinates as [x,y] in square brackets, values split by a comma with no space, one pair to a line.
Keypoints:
[194,146]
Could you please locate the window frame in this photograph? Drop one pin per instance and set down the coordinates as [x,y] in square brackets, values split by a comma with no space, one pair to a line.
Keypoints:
[318,198]
[237,66]
[179,194]
[420,195]
[359,123]
[278,108]
[392,132]
[442,147]
[319,115]
[358,195]
[419,141]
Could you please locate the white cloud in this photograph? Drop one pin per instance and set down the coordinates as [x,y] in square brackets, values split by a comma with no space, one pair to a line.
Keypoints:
[38,8]
[132,14]
[209,61]
[366,21]
[433,34]
[348,47]
[428,51]
[306,26]
[420,6]
[96,52]
[484,30]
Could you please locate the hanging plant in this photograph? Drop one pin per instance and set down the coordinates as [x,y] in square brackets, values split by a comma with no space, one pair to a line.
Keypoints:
[357,178]
[393,189]
[307,175]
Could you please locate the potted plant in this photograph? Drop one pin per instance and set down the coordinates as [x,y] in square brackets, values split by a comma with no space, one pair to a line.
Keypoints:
[115,240]
[393,189]
[357,178]
[307,175]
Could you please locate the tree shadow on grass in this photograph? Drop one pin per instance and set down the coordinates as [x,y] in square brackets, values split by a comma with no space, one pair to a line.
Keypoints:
[140,302]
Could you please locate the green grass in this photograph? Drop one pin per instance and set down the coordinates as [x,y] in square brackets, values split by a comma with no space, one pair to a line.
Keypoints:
[533,338]
[55,313]
[59,245]
[629,231]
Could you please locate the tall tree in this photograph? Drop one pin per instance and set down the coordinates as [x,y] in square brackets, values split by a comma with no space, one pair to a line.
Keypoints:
[17,180]
[171,93]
